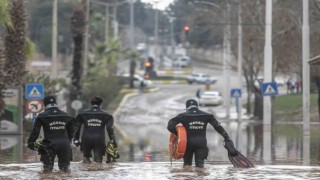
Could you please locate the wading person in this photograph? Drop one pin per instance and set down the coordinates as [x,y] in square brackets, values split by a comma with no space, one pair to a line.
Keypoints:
[195,122]
[94,121]
[58,128]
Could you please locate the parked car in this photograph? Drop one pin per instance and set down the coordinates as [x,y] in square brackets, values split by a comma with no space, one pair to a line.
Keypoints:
[201,78]
[183,61]
[210,98]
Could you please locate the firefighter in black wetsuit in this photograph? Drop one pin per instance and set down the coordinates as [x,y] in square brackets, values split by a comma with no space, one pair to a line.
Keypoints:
[95,121]
[195,121]
[58,128]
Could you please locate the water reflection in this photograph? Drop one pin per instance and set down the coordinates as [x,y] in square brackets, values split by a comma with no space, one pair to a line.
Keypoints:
[284,144]
[11,149]
[306,150]
[267,144]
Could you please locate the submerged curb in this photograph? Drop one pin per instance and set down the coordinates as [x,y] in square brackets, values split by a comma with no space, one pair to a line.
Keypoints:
[116,112]
[174,72]
[170,82]
[130,93]
[146,90]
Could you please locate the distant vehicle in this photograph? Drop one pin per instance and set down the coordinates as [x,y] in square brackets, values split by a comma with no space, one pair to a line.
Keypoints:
[183,61]
[210,98]
[141,47]
[201,78]
[137,79]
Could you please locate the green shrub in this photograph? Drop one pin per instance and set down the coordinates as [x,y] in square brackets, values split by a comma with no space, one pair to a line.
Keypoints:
[106,87]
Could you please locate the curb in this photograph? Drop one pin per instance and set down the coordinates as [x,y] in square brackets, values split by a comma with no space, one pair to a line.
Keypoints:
[174,72]
[115,114]
[170,82]
[131,93]
[146,90]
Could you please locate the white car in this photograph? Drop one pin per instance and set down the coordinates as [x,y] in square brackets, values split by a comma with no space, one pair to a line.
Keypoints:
[183,61]
[201,78]
[210,98]
[137,79]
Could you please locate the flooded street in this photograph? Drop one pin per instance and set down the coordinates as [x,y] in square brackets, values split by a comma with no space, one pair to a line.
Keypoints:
[160,170]
[143,147]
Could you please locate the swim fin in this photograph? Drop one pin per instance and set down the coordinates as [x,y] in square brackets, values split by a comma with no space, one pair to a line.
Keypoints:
[239,161]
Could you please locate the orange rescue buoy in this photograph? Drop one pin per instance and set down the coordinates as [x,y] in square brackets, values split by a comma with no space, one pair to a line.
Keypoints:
[178,144]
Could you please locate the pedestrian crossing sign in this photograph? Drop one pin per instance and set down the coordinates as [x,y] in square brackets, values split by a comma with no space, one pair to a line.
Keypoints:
[34,91]
[236,93]
[269,89]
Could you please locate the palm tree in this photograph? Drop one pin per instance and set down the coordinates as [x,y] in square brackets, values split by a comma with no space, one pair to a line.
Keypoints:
[78,24]
[15,45]
[4,20]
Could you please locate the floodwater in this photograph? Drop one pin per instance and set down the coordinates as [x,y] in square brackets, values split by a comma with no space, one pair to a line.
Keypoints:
[283,154]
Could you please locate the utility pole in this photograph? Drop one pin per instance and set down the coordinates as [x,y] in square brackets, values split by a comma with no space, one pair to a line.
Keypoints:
[240,59]
[172,35]
[86,40]
[106,35]
[267,78]
[54,39]
[131,25]
[227,60]
[115,22]
[306,78]
[156,31]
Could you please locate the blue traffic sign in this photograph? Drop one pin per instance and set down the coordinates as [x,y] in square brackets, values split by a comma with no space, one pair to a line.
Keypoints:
[269,89]
[34,91]
[236,93]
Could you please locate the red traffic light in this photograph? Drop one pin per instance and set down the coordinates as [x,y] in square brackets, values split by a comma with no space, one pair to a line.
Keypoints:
[186,28]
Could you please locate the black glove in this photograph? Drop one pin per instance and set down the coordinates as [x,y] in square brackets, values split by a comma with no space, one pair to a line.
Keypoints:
[228,144]
[76,142]
[31,146]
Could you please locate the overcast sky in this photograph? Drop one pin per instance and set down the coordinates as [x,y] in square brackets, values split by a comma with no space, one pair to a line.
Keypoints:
[162,3]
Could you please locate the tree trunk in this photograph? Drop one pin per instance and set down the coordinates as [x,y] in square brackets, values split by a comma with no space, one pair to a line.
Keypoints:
[77,27]
[2,75]
[15,45]
[258,103]
[319,103]
[258,106]
[132,72]
[248,105]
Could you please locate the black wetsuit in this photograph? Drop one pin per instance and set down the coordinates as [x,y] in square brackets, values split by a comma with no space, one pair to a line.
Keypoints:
[95,121]
[58,127]
[195,121]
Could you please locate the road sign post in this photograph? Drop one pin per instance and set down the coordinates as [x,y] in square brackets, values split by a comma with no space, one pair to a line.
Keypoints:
[269,89]
[236,93]
[76,105]
[34,106]
[34,91]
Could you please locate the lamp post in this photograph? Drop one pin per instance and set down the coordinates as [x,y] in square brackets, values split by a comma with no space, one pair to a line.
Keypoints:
[306,81]
[86,40]
[267,78]
[239,58]
[131,24]
[54,39]
[171,19]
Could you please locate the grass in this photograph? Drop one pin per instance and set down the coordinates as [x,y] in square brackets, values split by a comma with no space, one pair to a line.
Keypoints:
[289,107]
[116,102]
